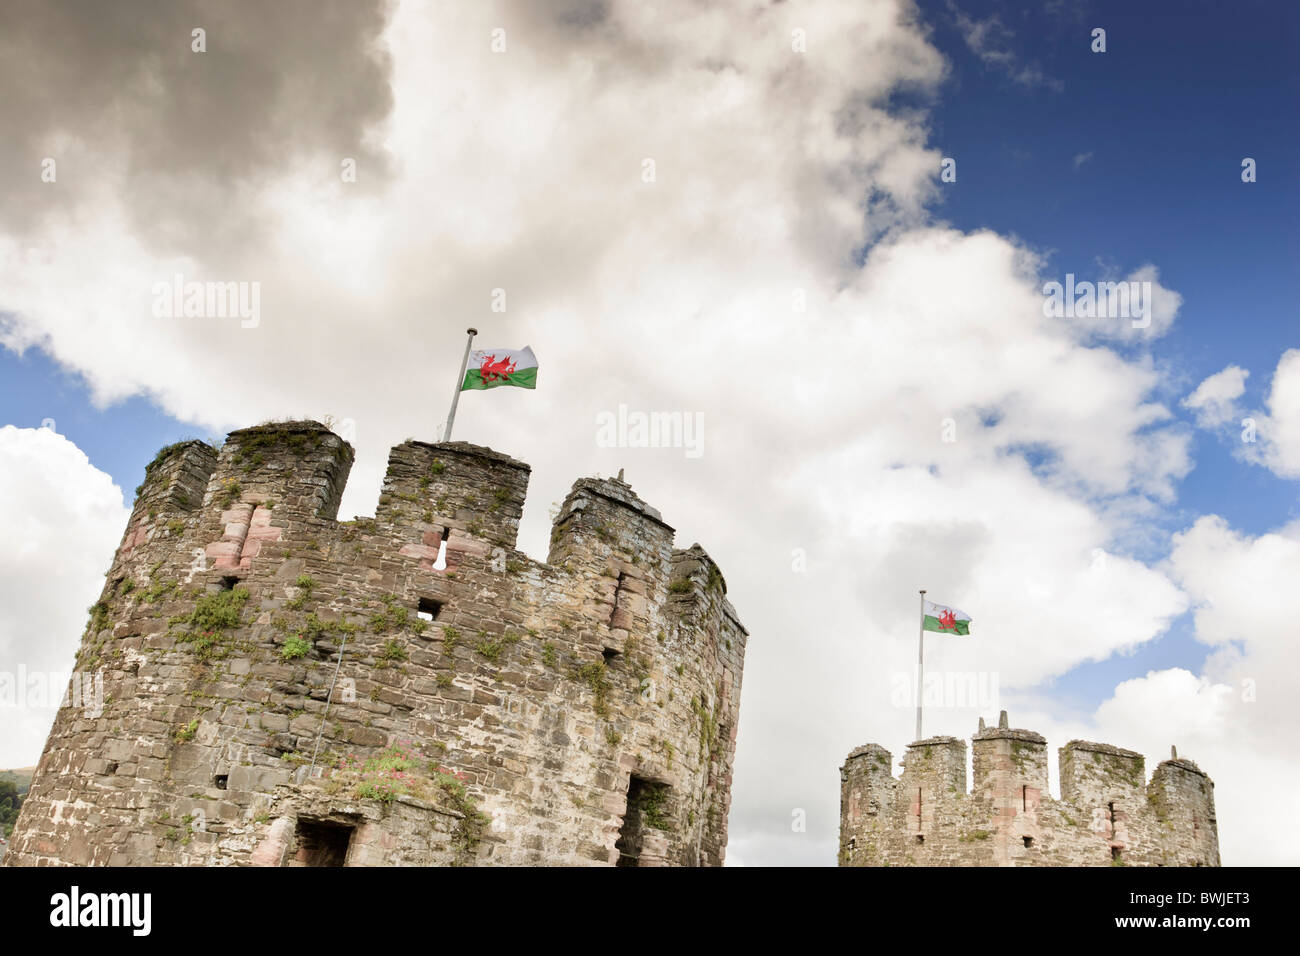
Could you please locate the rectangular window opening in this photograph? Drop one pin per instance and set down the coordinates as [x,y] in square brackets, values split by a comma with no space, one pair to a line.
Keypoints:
[221,781]
[1115,853]
[428,609]
[322,843]
[1029,841]
[229,581]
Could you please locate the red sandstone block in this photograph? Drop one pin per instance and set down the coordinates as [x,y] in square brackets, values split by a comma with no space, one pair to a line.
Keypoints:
[419,551]
[238,514]
[271,850]
[464,543]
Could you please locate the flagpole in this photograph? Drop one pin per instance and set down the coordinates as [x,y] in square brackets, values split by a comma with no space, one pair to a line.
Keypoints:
[455,398]
[920,665]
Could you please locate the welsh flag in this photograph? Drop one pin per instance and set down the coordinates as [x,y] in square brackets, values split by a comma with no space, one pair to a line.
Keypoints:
[945,620]
[489,368]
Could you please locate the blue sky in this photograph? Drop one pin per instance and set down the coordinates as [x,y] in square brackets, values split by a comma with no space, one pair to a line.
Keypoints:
[1164,118]
[119,439]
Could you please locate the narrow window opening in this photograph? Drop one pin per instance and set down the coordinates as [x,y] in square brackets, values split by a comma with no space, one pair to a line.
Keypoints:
[428,609]
[647,809]
[228,582]
[1115,853]
[853,844]
[1024,800]
[111,768]
[221,781]
[609,654]
[322,843]
[618,615]
[920,838]
[1029,841]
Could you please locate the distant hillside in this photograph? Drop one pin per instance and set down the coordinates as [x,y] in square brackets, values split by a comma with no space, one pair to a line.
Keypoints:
[13,788]
[20,777]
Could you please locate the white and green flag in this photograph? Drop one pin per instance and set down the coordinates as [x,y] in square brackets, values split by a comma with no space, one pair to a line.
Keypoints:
[490,368]
[945,620]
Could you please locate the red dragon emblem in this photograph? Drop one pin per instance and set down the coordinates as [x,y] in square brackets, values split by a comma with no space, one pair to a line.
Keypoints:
[492,370]
[948,621]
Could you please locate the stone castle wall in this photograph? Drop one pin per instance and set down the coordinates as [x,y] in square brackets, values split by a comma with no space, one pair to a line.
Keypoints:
[1108,814]
[577,711]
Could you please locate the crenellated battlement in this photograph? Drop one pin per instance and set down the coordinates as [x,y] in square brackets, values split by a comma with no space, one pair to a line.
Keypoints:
[1108,813]
[255,652]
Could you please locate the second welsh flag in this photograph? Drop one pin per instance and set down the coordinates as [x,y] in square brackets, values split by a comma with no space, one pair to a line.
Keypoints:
[488,368]
[945,620]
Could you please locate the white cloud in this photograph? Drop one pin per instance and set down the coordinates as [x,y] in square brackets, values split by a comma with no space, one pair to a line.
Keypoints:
[990,40]
[63,520]
[1268,436]
[1081,158]
[1241,715]
[1215,400]
[1133,309]
[1279,429]
[1236,717]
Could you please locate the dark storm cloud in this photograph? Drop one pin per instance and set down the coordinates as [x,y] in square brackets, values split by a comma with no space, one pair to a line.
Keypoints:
[115,94]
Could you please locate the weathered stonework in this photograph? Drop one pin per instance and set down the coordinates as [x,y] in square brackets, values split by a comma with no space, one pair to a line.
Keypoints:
[1108,814]
[578,711]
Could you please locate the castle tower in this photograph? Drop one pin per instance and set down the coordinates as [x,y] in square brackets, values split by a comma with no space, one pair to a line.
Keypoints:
[280,688]
[1106,816]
